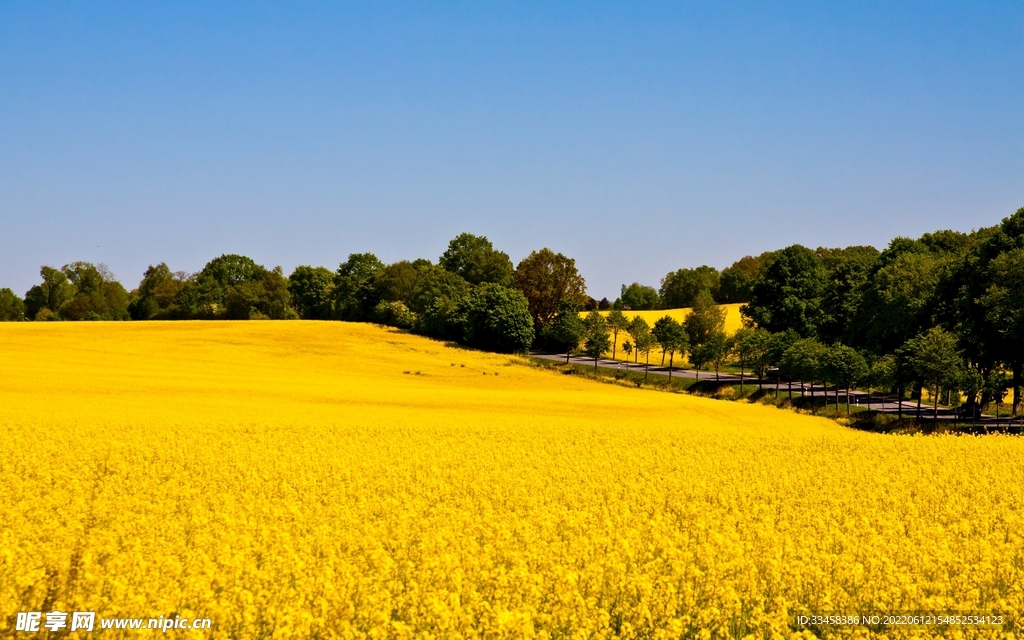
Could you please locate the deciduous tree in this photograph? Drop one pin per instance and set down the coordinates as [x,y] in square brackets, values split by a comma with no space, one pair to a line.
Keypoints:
[546,278]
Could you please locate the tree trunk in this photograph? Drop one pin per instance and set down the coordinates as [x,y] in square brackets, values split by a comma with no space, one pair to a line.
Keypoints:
[717,379]
[899,402]
[847,401]
[595,364]
[920,392]
[935,409]
[663,358]
[778,381]
[741,377]
[615,342]
[567,350]
[791,391]
[671,358]
[837,397]
[1016,387]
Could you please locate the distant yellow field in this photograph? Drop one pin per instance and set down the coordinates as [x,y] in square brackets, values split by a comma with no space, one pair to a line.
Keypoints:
[334,480]
[733,321]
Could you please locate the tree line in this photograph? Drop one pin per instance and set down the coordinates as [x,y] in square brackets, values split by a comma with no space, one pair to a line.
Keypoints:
[943,312]
[473,295]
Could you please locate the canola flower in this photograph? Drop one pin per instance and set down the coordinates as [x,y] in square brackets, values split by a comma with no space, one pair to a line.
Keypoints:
[334,480]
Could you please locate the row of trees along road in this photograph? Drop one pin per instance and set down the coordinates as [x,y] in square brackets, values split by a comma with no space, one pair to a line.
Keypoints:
[942,314]
[473,294]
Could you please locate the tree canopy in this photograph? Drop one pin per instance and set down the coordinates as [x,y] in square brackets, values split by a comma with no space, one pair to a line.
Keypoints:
[476,260]
[546,278]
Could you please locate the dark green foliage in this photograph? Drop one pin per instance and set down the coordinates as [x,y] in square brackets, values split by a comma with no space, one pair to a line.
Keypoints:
[546,278]
[155,297]
[444,318]
[681,288]
[705,318]
[233,287]
[803,360]
[737,281]
[312,291]
[788,294]
[672,339]
[616,322]
[845,367]
[418,283]
[394,314]
[12,308]
[78,291]
[847,274]
[638,298]
[596,338]
[51,295]
[476,260]
[355,291]
[566,330]
[497,319]
[897,301]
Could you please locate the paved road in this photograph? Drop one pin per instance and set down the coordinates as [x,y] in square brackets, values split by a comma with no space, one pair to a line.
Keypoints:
[876,401]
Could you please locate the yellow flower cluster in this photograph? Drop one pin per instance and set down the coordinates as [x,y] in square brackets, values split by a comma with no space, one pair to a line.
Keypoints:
[332,480]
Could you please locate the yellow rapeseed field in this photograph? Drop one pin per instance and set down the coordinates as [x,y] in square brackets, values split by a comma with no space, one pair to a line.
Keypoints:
[322,480]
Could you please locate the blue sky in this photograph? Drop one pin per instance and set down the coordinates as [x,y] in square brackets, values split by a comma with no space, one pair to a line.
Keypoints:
[635,137]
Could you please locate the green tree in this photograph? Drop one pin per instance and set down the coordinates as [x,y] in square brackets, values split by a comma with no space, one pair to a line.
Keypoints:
[756,352]
[393,313]
[638,298]
[777,346]
[154,299]
[645,341]
[627,348]
[788,293]
[616,322]
[897,300]
[883,373]
[846,367]
[936,360]
[803,361]
[498,319]
[355,293]
[737,281]
[995,388]
[567,328]
[672,339]
[12,308]
[847,273]
[717,348]
[681,288]
[637,329]
[51,295]
[741,348]
[704,320]
[312,292]
[476,260]
[546,278]
[597,337]
[1003,304]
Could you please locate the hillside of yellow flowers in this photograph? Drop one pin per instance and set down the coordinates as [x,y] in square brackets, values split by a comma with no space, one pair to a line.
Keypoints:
[335,480]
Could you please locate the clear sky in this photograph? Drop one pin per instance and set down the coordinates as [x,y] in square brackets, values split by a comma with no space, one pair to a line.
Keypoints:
[636,137]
